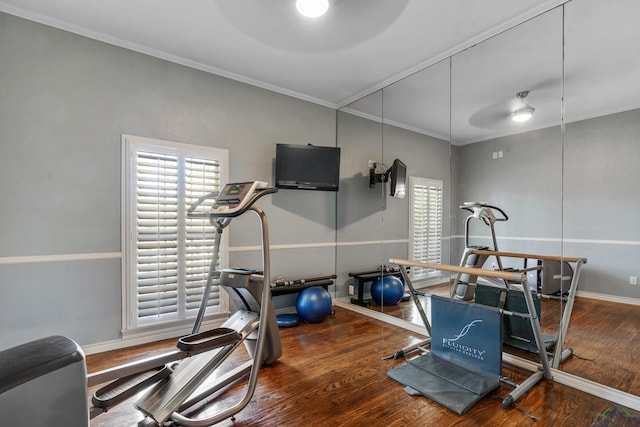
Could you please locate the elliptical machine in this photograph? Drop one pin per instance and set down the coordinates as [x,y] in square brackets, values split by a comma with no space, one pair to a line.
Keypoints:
[465,284]
[46,365]
[254,323]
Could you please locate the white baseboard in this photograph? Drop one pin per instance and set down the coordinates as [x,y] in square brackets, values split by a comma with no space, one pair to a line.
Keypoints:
[147,337]
[610,298]
[346,304]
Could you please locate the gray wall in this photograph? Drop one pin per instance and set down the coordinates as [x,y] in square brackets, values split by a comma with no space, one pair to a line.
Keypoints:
[359,223]
[367,215]
[602,202]
[586,206]
[65,100]
[526,183]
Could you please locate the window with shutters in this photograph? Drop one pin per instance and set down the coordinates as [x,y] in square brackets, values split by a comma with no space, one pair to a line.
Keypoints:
[167,254]
[425,224]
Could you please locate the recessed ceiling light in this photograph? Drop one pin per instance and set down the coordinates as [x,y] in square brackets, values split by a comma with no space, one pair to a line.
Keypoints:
[312,8]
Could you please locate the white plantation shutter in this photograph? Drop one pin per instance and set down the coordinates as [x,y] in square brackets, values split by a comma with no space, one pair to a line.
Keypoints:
[157,234]
[168,254]
[201,177]
[425,224]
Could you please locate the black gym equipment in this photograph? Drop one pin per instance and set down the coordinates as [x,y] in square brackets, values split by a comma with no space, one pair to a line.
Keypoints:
[34,377]
[44,383]
[363,277]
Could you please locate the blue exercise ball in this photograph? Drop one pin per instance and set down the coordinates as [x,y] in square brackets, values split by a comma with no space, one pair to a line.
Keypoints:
[314,304]
[387,290]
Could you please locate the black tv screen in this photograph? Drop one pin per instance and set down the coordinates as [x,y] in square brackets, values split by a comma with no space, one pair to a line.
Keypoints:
[398,187]
[307,167]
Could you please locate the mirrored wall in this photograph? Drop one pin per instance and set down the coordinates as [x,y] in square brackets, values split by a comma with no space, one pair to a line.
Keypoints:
[405,123]
[600,181]
[565,178]
[359,233]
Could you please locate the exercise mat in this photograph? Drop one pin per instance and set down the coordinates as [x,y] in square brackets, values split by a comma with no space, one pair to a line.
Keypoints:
[465,361]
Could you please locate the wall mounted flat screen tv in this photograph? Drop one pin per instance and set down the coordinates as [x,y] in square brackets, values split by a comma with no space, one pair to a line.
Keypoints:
[307,167]
[398,187]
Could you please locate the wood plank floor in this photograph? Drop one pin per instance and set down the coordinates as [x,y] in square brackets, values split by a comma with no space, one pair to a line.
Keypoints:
[332,374]
[602,334]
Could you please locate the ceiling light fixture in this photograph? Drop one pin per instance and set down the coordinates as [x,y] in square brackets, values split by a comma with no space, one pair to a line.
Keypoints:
[525,112]
[312,8]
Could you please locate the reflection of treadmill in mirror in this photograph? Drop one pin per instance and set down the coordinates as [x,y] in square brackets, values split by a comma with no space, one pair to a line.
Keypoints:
[465,284]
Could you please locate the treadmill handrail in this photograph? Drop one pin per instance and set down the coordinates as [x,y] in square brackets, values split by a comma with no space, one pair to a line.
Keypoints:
[194,205]
[256,195]
[470,207]
[214,194]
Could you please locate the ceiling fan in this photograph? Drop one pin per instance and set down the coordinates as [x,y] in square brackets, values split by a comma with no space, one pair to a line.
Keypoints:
[538,103]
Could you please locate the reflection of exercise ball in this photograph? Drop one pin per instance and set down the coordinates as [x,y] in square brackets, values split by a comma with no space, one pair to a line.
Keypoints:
[387,290]
[314,304]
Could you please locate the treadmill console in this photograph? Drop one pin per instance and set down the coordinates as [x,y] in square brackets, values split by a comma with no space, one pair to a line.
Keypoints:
[234,197]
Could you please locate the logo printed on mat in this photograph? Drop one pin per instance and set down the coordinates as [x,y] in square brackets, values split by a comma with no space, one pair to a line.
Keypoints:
[465,330]
[451,343]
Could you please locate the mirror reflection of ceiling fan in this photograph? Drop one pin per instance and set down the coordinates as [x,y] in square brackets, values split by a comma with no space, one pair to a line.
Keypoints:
[505,113]
[538,102]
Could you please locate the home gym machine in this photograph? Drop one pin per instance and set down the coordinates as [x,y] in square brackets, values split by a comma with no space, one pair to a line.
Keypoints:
[464,284]
[171,397]
[547,279]
[448,372]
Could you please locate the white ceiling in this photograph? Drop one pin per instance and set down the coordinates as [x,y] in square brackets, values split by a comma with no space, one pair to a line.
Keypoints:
[596,47]
[359,46]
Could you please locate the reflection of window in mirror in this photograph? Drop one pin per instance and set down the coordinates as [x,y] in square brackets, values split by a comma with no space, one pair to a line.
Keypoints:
[425,224]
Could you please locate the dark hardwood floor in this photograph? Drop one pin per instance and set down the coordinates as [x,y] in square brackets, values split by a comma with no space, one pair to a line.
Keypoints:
[602,334]
[332,374]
